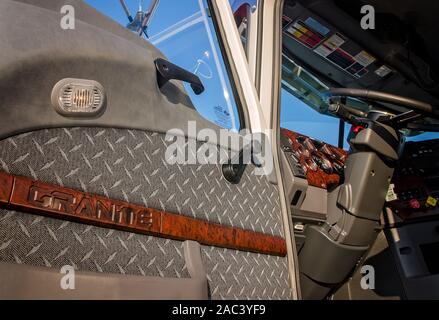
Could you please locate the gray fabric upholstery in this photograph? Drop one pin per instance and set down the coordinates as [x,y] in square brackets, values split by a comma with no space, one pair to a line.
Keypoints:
[130,166]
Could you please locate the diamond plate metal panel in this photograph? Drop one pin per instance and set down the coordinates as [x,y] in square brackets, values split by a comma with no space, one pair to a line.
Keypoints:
[131,166]
[244,275]
[40,241]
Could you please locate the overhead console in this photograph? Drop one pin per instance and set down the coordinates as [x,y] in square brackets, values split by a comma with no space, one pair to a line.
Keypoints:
[326,41]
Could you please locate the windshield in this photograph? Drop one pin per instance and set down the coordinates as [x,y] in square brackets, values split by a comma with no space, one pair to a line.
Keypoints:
[302,91]
[305,105]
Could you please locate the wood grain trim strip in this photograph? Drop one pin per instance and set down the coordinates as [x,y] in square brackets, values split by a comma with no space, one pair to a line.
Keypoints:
[26,195]
[6,184]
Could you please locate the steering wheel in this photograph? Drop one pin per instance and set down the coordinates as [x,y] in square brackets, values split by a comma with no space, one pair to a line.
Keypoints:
[418,109]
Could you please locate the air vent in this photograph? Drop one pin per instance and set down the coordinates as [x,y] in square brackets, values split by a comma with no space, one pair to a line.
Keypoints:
[78,98]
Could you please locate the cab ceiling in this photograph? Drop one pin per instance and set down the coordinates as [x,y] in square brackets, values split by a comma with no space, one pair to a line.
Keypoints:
[405,39]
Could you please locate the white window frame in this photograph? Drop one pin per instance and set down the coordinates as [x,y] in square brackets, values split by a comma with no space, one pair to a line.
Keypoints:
[261,108]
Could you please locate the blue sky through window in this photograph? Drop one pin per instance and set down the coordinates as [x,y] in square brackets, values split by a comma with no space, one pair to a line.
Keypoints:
[183,31]
[299,117]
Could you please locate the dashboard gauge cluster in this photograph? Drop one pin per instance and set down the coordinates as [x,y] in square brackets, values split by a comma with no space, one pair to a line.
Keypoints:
[320,163]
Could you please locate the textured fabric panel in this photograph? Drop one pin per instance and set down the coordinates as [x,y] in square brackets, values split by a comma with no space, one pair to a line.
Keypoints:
[40,241]
[130,166]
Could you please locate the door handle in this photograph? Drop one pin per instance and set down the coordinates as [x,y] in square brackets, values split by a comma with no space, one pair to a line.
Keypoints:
[168,71]
[234,169]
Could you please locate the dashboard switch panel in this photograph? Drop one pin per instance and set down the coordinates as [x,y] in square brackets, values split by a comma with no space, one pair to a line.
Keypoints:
[318,162]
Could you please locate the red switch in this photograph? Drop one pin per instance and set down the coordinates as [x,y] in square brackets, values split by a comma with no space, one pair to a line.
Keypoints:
[415,204]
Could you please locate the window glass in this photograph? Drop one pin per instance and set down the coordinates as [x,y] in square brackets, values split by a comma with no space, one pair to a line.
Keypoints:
[303,105]
[184,32]
[299,117]
[424,136]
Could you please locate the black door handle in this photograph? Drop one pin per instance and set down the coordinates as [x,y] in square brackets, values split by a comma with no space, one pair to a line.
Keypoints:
[234,169]
[168,71]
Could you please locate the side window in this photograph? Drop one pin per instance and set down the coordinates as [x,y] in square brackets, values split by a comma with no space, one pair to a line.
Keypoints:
[185,33]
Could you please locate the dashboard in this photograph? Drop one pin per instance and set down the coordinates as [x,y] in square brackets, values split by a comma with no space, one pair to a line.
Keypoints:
[416,182]
[414,193]
[320,163]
